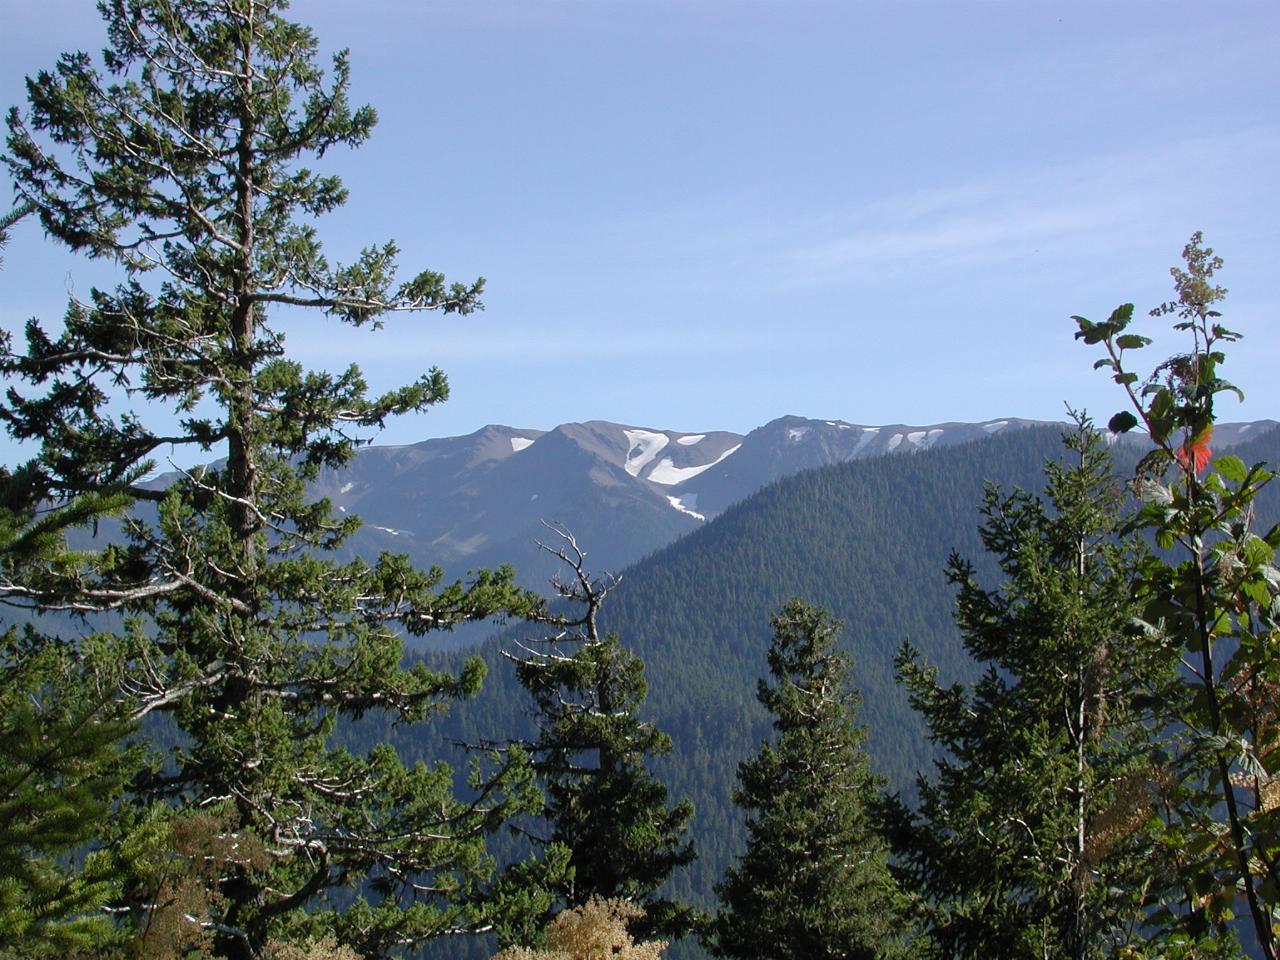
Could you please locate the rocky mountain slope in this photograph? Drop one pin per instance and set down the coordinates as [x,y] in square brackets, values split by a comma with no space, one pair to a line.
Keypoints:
[482,499]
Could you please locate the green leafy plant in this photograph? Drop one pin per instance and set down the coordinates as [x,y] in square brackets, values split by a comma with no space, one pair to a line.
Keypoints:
[1211,599]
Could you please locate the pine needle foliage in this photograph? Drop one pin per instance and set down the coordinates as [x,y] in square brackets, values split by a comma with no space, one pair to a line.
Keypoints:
[814,880]
[1034,836]
[63,763]
[8,220]
[183,158]
[63,760]
[604,806]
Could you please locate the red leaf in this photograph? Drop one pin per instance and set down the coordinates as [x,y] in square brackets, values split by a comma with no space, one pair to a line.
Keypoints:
[1194,454]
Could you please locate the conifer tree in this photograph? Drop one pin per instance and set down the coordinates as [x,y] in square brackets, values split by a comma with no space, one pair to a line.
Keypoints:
[1211,602]
[63,763]
[182,159]
[814,880]
[602,803]
[62,758]
[1033,837]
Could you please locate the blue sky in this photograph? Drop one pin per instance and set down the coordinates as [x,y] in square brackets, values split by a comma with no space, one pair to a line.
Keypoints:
[705,214]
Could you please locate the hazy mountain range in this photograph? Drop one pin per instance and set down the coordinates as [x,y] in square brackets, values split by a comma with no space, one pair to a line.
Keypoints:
[480,500]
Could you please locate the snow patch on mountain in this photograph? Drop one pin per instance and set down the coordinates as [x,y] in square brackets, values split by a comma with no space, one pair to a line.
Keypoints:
[690,440]
[995,426]
[520,443]
[838,425]
[668,474]
[868,434]
[797,433]
[894,441]
[924,439]
[686,504]
[645,445]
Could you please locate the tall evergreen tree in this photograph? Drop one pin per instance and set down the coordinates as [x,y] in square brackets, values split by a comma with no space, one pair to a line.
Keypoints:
[814,880]
[1033,837]
[1212,602]
[182,160]
[602,803]
[63,761]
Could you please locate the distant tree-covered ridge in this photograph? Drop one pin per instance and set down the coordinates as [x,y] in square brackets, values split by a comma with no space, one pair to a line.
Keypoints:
[868,539]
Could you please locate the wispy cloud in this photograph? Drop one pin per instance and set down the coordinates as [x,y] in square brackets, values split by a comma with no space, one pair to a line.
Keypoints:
[1105,201]
[1030,226]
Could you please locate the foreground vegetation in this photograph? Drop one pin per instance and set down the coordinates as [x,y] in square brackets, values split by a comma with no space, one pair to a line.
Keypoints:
[181,780]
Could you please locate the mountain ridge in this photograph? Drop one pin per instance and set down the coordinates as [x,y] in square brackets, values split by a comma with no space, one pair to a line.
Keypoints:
[482,499]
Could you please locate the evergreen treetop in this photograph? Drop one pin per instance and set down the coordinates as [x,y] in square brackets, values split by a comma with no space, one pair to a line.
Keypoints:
[1033,836]
[603,805]
[814,880]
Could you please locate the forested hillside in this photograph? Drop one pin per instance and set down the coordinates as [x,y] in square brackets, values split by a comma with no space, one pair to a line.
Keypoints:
[868,539]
